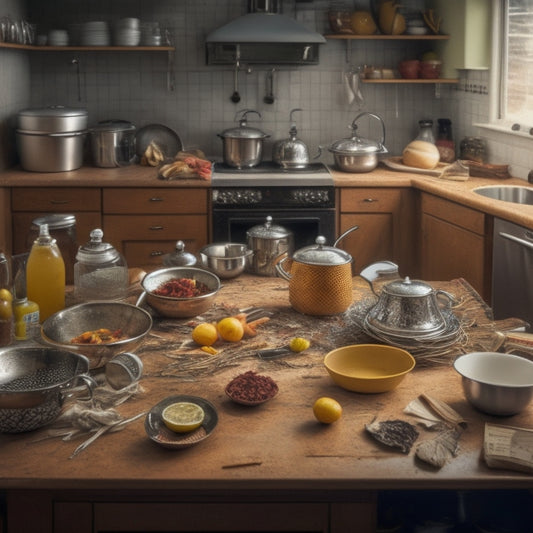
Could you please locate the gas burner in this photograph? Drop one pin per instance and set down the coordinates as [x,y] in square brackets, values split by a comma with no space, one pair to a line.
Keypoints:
[268,173]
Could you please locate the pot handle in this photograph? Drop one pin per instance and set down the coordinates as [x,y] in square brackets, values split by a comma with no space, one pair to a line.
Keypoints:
[347,232]
[378,118]
[379,270]
[281,271]
[90,385]
[140,299]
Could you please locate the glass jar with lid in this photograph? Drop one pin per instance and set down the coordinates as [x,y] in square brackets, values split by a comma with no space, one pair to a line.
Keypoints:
[100,271]
[425,131]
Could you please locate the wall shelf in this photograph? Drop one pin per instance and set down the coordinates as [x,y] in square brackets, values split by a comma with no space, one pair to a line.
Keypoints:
[416,80]
[382,37]
[88,48]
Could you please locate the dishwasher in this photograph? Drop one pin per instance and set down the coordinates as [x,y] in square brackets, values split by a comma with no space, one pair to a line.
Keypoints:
[512,272]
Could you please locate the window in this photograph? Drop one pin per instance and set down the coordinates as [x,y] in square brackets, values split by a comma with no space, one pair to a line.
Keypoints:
[515,72]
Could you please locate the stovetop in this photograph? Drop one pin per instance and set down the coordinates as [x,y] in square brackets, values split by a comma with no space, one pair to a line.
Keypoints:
[268,173]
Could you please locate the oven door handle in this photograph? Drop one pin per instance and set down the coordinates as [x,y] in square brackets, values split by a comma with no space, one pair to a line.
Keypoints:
[516,239]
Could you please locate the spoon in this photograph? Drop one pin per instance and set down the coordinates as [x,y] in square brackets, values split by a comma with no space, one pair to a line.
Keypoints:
[236,97]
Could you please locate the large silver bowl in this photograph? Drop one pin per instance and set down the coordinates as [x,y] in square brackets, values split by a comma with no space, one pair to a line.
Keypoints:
[61,327]
[34,382]
[226,259]
[179,307]
[496,383]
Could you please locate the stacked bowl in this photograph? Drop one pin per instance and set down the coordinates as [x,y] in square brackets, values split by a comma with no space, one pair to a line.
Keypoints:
[95,33]
[127,32]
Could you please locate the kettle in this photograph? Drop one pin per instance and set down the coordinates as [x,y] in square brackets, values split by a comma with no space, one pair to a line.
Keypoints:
[320,278]
[292,152]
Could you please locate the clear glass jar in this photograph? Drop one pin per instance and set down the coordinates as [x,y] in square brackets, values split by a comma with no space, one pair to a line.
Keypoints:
[444,141]
[425,132]
[473,149]
[100,271]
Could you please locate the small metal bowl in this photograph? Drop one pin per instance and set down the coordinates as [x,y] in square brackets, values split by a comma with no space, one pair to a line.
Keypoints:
[496,383]
[169,306]
[226,259]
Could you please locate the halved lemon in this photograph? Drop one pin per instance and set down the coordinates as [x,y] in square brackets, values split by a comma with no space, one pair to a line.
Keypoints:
[183,417]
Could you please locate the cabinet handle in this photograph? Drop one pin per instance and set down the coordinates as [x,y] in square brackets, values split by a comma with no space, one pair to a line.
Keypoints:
[59,202]
[518,240]
[156,199]
[156,228]
[156,253]
[370,200]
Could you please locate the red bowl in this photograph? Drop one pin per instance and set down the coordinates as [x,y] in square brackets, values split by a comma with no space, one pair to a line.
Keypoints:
[409,69]
[430,69]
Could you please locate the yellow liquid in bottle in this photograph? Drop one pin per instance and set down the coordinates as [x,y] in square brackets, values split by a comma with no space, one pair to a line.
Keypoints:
[45,279]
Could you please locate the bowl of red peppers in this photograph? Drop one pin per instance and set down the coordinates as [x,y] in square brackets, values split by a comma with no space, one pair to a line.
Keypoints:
[179,292]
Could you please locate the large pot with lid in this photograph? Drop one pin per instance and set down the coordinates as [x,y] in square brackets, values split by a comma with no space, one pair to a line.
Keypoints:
[320,278]
[243,145]
[113,143]
[268,242]
[356,154]
[51,139]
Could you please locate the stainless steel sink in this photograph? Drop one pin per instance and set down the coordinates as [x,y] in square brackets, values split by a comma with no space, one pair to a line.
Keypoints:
[507,193]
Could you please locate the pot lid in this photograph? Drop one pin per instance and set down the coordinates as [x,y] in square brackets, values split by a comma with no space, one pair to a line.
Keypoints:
[355,145]
[96,251]
[54,111]
[320,254]
[113,125]
[179,257]
[408,287]
[243,131]
[56,221]
[268,230]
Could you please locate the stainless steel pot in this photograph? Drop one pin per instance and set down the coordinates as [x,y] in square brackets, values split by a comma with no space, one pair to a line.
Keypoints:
[51,139]
[269,242]
[113,143]
[356,154]
[243,145]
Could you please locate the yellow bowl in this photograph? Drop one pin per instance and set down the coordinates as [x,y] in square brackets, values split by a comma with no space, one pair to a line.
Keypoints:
[368,367]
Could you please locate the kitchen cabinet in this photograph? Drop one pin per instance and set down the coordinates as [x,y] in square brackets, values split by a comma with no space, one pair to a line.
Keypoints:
[386,219]
[145,223]
[455,243]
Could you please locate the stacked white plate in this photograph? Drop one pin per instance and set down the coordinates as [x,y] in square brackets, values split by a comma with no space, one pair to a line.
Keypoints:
[58,38]
[127,32]
[151,34]
[95,33]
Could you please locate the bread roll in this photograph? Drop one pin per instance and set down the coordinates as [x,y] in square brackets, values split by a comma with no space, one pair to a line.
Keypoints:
[421,154]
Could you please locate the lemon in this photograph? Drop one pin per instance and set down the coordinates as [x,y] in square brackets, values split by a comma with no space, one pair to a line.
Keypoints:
[183,417]
[6,295]
[327,410]
[6,310]
[205,334]
[230,329]
[299,344]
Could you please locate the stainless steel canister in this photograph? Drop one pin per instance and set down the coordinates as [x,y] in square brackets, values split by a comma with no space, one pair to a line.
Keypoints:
[269,243]
[113,143]
[51,139]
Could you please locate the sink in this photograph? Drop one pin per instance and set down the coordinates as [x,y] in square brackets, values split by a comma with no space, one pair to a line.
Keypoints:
[507,193]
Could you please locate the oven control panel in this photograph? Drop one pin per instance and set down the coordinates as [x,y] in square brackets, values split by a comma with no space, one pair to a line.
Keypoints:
[277,197]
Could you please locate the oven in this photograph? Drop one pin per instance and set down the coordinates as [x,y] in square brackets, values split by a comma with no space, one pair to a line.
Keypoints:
[300,200]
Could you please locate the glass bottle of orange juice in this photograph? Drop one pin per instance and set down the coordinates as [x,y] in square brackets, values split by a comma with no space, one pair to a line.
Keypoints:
[45,275]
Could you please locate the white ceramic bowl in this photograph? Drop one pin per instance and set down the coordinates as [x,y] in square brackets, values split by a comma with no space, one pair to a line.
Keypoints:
[496,383]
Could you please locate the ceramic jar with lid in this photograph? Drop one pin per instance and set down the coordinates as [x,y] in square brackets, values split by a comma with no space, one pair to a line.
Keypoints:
[100,271]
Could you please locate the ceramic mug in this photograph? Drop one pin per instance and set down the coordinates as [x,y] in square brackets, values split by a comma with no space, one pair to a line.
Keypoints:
[409,69]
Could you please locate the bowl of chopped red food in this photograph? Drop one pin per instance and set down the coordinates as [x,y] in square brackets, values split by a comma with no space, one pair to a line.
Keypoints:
[179,292]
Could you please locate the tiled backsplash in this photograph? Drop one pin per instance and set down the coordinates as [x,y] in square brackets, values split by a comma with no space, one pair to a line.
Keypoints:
[133,85]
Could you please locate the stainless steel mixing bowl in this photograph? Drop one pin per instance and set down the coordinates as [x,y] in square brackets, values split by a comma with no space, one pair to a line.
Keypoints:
[61,327]
[226,259]
[169,306]
[34,382]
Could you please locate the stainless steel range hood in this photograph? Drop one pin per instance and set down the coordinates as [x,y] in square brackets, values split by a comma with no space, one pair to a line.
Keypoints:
[263,37]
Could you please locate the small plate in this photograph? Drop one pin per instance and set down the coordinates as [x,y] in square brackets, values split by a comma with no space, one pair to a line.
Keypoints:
[158,432]
[396,164]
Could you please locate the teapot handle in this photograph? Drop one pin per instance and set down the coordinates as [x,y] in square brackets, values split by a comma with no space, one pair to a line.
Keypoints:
[445,298]
[378,118]
[280,270]
[347,232]
[380,269]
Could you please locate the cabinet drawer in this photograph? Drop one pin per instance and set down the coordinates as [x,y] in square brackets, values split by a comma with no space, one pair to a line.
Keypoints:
[147,201]
[56,199]
[373,200]
[150,253]
[456,214]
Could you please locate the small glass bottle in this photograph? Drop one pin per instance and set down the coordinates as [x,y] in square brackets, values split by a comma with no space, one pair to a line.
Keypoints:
[26,314]
[444,141]
[45,275]
[425,131]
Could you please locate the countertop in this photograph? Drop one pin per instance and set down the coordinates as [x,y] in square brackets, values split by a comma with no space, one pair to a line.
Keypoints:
[278,445]
[382,176]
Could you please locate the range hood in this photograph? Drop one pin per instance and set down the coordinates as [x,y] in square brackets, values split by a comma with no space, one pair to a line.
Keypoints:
[263,37]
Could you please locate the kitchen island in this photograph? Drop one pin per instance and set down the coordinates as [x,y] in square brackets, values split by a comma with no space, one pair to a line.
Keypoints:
[267,468]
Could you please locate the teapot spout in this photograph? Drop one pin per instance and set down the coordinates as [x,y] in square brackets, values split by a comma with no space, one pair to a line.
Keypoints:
[380,271]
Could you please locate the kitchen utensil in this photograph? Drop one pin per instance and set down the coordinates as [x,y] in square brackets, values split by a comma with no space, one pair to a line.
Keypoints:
[356,154]
[291,153]
[496,383]
[179,257]
[236,97]
[159,433]
[405,307]
[268,243]
[320,278]
[243,145]
[269,96]
[51,139]
[179,307]
[34,383]
[113,143]
[123,370]
[100,271]
[135,323]
[368,368]
[226,259]
[166,139]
